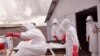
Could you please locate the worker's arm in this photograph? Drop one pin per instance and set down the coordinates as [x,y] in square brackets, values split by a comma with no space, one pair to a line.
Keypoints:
[32,34]
[75,46]
[97,29]
[56,38]
[87,33]
[64,38]
[74,37]
[53,32]
[12,34]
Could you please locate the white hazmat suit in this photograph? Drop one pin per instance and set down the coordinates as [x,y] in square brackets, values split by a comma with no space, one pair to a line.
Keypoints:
[56,32]
[92,34]
[37,45]
[72,43]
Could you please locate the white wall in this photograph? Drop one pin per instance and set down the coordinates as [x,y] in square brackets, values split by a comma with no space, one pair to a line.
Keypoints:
[98,8]
[49,37]
[68,8]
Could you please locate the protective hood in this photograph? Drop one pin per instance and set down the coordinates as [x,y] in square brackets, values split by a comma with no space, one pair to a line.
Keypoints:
[65,24]
[29,26]
[55,21]
[89,18]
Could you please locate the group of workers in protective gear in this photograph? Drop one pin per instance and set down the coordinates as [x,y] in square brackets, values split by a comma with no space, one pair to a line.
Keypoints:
[64,32]
[57,33]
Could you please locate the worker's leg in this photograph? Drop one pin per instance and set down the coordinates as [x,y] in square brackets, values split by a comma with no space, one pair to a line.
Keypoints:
[94,54]
[32,50]
[69,52]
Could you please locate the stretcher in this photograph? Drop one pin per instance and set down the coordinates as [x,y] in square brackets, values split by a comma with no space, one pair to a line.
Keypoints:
[52,49]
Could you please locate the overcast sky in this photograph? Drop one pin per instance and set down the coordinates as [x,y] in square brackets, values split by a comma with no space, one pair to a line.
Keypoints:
[17,11]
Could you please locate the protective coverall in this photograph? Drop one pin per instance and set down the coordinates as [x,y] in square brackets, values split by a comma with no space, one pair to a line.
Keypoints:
[56,32]
[37,46]
[92,34]
[72,43]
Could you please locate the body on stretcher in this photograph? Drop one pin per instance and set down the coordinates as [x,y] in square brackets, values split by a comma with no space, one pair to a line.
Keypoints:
[52,48]
[56,48]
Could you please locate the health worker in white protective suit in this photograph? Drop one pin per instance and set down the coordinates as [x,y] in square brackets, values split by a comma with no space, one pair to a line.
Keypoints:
[92,35]
[72,43]
[23,43]
[58,34]
[37,46]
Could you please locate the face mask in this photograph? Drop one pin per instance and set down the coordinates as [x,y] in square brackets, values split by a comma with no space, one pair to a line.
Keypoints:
[89,21]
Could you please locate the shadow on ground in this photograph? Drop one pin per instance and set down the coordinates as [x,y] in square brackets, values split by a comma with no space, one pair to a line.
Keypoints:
[84,53]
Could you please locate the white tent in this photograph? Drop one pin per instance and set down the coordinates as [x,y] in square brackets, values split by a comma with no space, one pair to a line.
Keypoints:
[20,11]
